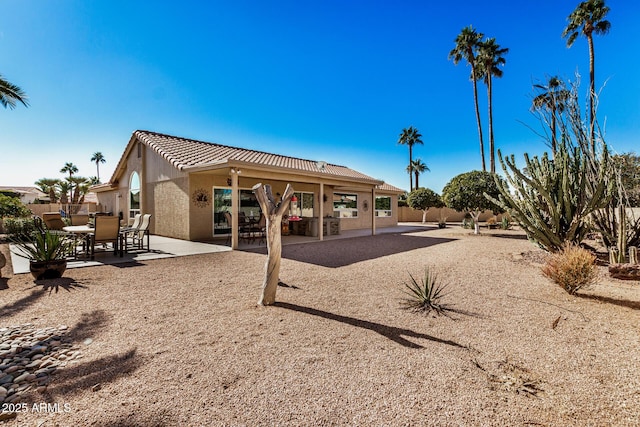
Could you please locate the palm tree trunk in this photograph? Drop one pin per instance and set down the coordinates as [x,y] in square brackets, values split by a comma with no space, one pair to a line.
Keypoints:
[410,174]
[491,143]
[475,101]
[98,170]
[417,173]
[592,96]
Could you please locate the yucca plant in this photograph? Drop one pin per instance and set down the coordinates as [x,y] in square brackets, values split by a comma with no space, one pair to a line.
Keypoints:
[425,295]
[43,246]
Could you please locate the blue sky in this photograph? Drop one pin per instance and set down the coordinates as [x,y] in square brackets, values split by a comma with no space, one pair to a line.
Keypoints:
[324,80]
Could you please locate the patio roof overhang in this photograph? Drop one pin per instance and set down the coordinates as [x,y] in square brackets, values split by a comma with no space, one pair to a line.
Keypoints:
[251,170]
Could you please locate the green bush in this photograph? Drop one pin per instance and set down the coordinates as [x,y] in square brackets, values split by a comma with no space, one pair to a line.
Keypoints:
[12,207]
[19,227]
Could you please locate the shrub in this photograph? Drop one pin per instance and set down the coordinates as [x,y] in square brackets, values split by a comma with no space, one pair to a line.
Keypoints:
[19,227]
[572,268]
[12,207]
[425,295]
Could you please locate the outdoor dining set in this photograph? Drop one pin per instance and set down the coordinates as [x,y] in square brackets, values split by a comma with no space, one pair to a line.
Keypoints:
[98,230]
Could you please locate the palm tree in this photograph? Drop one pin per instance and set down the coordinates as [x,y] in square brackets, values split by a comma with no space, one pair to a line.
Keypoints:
[588,17]
[10,93]
[48,185]
[489,60]
[98,158]
[467,44]
[69,167]
[64,187]
[553,98]
[93,180]
[77,183]
[418,167]
[410,137]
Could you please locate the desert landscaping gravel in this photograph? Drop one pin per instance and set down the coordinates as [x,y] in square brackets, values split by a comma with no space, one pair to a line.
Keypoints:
[182,342]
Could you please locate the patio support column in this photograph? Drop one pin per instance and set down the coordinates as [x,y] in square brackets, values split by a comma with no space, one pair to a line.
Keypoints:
[373,211]
[235,208]
[320,211]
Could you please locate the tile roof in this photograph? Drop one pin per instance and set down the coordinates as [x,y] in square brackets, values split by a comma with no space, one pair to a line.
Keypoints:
[389,187]
[185,154]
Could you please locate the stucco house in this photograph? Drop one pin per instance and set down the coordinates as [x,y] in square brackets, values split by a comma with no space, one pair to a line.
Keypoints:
[188,185]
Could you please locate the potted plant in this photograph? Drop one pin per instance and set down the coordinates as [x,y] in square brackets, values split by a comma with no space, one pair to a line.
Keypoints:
[442,222]
[47,253]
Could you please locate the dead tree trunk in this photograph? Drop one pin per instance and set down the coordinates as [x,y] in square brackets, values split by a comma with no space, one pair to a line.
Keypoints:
[273,211]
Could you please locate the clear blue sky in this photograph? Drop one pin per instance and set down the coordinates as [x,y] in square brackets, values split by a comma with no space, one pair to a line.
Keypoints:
[329,80]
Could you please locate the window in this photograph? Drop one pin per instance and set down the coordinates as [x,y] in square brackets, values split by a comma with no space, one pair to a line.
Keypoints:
[134,195]
[383,206]
[305,204]
[345,205]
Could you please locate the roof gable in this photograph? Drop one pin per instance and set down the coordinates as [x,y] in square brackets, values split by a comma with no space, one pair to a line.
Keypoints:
[187,154]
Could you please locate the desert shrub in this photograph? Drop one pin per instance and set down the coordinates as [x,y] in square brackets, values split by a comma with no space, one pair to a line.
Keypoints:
[19,227]
[572,268]
[425,295]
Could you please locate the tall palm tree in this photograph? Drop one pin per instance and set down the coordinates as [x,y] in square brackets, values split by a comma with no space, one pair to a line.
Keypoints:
[489,61]
[69,167]
[98,158]
[588,18]
[10,93]
[48,185]
[418,167]
[467,43]
[410,137]
[553,98]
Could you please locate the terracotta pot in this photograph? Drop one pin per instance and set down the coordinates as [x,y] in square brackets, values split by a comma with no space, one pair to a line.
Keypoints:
[48,269]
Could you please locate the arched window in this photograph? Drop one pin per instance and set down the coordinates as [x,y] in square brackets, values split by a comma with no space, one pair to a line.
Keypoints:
[134,195]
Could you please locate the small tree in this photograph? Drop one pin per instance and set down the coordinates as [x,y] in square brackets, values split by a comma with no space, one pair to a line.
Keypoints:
[468,192]
[423,199]
[273,211]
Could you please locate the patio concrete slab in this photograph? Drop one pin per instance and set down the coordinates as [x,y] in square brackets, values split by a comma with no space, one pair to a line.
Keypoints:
[166,247]
[161,247]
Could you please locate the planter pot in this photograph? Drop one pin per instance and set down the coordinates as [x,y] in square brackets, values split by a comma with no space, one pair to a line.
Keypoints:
[442,225]
[48,269]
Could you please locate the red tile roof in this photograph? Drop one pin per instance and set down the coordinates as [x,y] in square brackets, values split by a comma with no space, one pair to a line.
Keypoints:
[185,154]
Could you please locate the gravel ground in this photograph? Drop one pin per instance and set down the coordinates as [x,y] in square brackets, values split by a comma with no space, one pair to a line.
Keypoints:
[181,342]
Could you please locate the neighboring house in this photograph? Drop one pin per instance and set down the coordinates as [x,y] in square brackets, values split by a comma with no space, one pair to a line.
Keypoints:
[26,194]
[188,185]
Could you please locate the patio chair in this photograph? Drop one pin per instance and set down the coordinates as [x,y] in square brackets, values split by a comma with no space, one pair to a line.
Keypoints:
[259,229]
[245,228]
[53,220]
[79,219]
[137,235]
[107,230]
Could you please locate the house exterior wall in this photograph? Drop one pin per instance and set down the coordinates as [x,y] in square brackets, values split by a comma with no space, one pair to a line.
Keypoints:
[165,195]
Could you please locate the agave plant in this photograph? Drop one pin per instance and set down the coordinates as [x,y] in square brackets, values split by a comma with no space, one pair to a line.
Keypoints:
[425,295]
[44,246]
